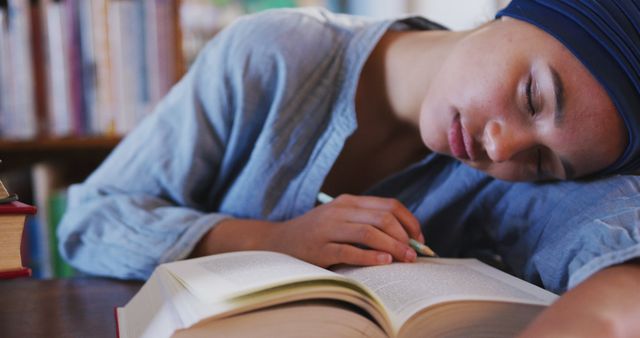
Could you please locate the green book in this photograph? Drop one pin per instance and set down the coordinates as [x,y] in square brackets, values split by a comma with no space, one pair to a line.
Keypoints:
[57,206]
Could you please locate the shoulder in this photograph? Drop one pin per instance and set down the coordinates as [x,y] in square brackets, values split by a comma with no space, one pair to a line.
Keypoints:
[278,23]
[290,32]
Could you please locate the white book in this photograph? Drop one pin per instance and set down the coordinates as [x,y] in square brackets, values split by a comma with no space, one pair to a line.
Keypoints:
[46,179]
[59,89]
[4,56]
[104,122]
[23,121]
[89,71]
[127,57]
[268,294]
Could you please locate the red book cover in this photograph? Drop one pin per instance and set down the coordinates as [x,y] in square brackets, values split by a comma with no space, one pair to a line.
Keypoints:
[115,313]
[22,272]
[16,207]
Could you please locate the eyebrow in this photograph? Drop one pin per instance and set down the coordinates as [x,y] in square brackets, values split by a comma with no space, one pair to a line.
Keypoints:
[558,90]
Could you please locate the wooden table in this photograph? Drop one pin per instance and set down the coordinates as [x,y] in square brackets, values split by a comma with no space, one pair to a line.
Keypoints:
[62,307]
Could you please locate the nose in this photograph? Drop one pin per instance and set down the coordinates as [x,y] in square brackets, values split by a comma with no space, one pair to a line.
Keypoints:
[502,140]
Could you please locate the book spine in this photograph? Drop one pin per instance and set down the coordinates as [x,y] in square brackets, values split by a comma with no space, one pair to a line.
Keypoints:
[170,51]
[59,82]
[104,96]
[23,113]
[116,61]
[46,179]
[127,45]
[3,67]
[16,208]
[57,205]
[88,66]
[177,61]
[38,52]
[153,51]
[140,54]
[36,258]
[74,54]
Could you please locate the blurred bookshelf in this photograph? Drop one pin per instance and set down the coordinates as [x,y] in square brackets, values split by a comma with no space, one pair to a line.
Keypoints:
[77,75]
[87,151]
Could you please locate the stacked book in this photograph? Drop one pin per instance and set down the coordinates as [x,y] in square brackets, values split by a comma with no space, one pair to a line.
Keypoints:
[13,215]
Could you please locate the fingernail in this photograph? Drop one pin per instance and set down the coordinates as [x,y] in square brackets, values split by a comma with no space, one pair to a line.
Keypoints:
[384,258]
[410,255]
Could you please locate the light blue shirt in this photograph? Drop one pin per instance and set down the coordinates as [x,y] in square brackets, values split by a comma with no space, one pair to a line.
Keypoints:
[255,126]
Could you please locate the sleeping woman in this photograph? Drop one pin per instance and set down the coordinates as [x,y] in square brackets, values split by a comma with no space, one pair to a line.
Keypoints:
[512,142]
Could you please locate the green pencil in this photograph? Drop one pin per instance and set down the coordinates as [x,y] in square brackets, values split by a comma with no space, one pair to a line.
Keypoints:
[421,249]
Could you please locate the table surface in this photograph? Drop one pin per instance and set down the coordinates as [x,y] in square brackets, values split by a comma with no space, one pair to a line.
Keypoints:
[82,307]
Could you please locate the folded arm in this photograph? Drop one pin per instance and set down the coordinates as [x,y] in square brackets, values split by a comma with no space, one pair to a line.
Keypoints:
[607,304]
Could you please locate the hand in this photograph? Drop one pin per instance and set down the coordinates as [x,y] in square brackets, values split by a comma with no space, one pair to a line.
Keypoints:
[356,230]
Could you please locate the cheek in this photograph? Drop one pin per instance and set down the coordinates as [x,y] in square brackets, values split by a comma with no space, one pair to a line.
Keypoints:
[432,128]
[441,102]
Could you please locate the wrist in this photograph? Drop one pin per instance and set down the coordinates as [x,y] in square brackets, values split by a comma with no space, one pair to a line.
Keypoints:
[235,235]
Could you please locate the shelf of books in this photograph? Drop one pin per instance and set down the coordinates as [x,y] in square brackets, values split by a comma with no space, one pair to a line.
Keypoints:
[75,76]
[78,75]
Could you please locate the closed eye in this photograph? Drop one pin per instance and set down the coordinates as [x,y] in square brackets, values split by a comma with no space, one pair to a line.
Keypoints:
[539,172]
[532,110]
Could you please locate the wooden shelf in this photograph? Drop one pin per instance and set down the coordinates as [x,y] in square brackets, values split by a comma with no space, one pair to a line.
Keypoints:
[61,144]
[83,151]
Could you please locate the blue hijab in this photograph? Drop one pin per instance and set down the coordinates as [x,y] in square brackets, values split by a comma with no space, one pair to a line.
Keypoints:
[605,36]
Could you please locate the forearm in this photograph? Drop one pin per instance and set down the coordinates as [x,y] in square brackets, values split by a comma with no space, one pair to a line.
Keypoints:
[605,305]
[126,235]
[235,235]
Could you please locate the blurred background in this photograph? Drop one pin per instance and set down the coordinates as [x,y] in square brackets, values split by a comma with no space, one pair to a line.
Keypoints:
[77,75]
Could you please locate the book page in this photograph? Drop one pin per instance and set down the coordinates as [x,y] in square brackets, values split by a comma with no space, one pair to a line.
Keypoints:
[225,276]
[3,191]
[406,288]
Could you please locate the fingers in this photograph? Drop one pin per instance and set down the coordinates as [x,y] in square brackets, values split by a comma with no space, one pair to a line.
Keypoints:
[385,221]
[397,210]
[375,239]
[349,254]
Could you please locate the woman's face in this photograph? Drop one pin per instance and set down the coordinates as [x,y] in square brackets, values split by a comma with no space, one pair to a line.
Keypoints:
[515,103]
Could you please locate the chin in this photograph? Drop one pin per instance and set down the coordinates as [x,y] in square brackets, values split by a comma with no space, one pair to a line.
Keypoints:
[432,145]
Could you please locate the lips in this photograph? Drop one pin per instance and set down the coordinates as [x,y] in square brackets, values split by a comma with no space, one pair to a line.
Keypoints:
[460,142]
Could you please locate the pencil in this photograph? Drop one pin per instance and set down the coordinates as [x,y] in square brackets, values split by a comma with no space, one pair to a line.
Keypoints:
[324,198]
[421,249]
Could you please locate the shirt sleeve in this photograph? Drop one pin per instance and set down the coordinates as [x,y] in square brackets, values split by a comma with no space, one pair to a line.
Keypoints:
[223,137]
[558,234]
[149,202]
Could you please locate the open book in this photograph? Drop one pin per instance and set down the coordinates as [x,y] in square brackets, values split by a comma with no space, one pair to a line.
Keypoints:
[267,294]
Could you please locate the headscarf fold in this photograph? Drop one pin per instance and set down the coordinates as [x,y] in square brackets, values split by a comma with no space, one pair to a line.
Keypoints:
[605,36]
